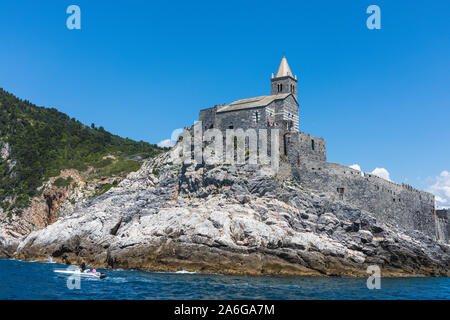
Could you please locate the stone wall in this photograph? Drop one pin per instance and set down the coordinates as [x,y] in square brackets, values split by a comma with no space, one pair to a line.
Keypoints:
[442,225]
[208,118]
[389,202]
[287,109]
[299,147]
[242,119]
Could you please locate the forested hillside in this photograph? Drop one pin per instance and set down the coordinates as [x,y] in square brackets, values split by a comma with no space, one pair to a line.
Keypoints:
[37,143]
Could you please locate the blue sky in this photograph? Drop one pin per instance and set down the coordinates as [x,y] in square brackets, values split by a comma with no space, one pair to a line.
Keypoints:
[144,68]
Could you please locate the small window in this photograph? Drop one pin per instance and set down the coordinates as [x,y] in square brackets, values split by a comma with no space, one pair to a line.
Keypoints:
[312,144]
[231,127]
[340,192]
[256,116]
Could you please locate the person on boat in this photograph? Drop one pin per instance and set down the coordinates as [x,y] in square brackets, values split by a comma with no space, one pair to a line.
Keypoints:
[83,265]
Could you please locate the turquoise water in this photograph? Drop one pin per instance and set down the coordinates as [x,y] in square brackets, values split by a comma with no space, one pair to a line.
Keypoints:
[34,280]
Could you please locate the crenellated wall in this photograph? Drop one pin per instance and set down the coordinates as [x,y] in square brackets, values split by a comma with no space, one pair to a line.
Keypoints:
[388,201]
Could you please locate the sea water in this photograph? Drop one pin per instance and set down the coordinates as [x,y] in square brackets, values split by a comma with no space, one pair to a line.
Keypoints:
[35,280]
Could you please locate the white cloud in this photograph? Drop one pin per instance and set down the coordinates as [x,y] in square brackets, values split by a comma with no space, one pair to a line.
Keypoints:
[382,173]
[356,167]
[167,143]
[441,188]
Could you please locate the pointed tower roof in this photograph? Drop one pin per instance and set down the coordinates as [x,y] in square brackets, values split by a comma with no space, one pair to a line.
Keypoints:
[283,69]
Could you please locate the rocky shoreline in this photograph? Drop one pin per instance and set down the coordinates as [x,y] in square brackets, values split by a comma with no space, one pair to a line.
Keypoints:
[238,220]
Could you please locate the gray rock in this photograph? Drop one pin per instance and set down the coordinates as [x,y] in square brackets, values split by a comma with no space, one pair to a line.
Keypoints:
[233,220]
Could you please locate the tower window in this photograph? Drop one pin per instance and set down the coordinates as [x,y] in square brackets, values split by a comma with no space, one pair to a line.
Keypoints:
[281,87]
[312,144]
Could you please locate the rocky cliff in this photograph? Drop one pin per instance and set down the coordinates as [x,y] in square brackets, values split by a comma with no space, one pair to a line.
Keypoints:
[39,145]
[229,220]
[51,164]
[53,202]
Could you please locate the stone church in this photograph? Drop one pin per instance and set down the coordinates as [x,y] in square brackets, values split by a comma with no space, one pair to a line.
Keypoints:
[281,106]
[279,110]
[306,159]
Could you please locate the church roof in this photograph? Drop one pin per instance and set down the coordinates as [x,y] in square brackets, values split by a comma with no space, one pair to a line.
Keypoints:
[251,103]
[283,69]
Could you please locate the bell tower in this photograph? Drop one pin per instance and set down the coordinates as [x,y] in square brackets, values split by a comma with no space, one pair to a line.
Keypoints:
[284,81]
